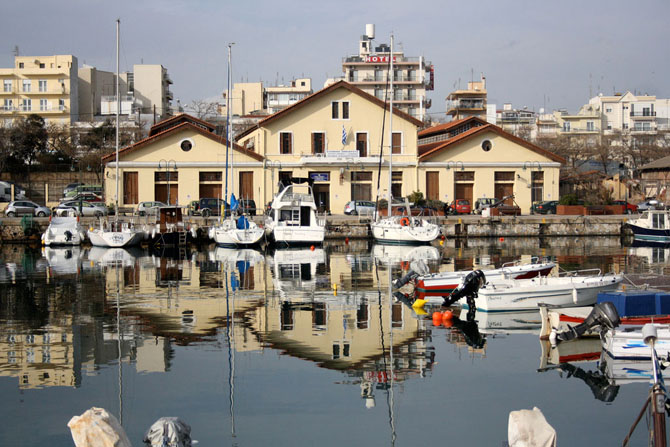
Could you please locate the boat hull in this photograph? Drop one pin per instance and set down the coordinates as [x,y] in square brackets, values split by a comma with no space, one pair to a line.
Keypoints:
[63,231]
[295,235]
[114,239]
[391,231]
[627,344]
[650,234]
[527,294]
[228,235]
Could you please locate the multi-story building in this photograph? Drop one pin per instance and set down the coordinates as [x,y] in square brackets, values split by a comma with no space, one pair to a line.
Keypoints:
[412,76]
[632,113]
[145,90]
[42,85]
[254,98]
[519,122]
[469,102]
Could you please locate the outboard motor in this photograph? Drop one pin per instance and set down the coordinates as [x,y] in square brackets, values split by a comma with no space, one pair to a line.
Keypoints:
[410,276]
[603,315]
[468,288]
[470,331]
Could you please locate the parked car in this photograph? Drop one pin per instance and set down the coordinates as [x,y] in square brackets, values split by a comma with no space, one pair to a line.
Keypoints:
[483,202]
[208,207]
[649,204]
[359,207]
[71,187]
[95,189]
[85,196]
[148,208]
[458,206]
[628,208]
[545,207]
[23,207]
[87,208]
[248,206]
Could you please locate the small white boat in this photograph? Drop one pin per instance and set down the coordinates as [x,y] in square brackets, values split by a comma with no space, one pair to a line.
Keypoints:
[652,225]
[63,260]
[627,343]
[622,372]
[443,283]
[397,254]
[63,231]
[508,322]
[293,218]
[115,234]
[170,229]
[240,232]
[526,294]
[404,230]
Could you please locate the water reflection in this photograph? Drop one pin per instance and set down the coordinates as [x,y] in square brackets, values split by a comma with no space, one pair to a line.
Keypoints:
[328,307]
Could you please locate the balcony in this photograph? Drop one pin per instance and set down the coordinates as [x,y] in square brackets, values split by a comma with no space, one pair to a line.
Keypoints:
[645,114]
[466,104]
[574,130]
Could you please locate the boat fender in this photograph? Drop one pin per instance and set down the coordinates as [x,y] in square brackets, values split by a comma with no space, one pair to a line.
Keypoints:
[68,236]
[194,234]
[404,222]
[575,298]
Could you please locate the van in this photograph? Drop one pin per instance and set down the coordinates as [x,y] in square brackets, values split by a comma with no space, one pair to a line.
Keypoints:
[6,192]
[95,189]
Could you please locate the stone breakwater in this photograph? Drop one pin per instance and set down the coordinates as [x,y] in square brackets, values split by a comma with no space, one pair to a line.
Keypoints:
[17,230]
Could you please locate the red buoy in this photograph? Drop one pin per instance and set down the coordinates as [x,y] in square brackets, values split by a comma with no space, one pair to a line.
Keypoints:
[447,315]
[346,240]
[437,318]
[312,248]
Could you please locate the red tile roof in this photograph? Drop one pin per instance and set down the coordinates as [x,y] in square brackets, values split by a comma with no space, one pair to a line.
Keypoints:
[178,128]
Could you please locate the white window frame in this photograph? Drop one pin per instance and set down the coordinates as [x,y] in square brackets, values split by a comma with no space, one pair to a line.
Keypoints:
[26,105]
[337,108]
[7,85]
[26,86]
[8,105]
[44,105]
[292,143]
[340,110]
[42,85]
[61,104]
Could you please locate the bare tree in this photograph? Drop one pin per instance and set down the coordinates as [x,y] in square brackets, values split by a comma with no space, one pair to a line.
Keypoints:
[203,109]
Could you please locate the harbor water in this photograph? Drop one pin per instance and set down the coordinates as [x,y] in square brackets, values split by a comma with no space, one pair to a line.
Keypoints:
[295,346]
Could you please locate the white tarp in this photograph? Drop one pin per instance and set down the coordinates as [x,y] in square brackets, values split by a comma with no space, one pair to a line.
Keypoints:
[529,428]
[97,428]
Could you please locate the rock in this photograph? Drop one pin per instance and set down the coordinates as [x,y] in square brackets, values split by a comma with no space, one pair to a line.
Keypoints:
[97,428]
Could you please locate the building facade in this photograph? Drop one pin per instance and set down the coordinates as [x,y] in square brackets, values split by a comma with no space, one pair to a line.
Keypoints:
[41,85]
[412,76]
[253,98]
[469,102]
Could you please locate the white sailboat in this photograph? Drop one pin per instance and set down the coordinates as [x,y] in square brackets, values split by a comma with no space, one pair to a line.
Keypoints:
[115,233]
[400,229]
[240,232]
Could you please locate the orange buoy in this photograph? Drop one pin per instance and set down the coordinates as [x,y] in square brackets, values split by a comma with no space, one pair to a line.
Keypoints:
[447,323]
[502,239]
[404,265]
[437,318]
[404,221]
[346,240]
[443,237]
[312,248]
[447,315]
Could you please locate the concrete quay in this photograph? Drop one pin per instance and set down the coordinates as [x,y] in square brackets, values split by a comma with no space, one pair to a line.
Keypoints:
[354,227]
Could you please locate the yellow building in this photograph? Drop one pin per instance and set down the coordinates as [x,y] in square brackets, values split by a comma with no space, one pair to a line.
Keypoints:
[471,159]
[184,156]
[468,102]
[42,85]
[334,137]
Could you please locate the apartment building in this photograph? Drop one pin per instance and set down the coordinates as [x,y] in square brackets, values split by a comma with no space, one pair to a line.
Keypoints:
[42,85]
[468,102]
[632,113]
[412,76]
[144,90]
[254,98]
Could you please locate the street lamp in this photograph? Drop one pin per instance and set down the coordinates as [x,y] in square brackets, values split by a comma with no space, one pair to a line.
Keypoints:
[167,164]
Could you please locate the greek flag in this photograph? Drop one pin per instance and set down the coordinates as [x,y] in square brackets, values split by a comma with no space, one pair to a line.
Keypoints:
[344,135]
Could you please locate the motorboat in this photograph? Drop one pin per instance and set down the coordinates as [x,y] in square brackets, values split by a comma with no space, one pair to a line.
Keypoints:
[63,231]
[170,230]
[509,322]
[404,230]
[444,283]
[115,234]
[627,343]
[63,260]
[652,225]
[293,218]
[574,288]
[240,232]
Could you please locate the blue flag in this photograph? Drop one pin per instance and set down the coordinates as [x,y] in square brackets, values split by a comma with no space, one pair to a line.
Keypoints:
[344,135]
[233,202]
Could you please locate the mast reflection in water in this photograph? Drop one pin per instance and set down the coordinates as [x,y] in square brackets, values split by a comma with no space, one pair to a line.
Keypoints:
[285,347]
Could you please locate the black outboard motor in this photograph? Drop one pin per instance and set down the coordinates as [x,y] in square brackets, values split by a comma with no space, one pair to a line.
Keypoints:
[470,331]
[468,288]
[598,382]
[603,314]
[410,276]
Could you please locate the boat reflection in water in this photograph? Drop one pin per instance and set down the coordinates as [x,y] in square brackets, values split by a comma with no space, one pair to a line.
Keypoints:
[396,255]
[63,260]
[299,272]
[240,263]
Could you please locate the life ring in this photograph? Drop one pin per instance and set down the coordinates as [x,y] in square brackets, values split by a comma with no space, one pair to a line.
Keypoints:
[404,221]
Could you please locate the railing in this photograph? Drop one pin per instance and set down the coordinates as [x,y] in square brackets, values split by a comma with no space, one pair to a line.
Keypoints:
[580,129]
[643,113]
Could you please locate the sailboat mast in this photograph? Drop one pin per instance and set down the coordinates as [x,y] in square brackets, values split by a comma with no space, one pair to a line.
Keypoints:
[118,107]
[390,195]
[228,104]
[230,127]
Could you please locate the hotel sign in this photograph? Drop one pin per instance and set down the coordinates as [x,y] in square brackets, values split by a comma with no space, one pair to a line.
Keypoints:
[378,59]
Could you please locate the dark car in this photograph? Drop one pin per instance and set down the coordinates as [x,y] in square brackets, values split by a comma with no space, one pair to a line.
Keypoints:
[248,206]
[458,206]
[628,208]
[209,207]
[546,207]
[86,197]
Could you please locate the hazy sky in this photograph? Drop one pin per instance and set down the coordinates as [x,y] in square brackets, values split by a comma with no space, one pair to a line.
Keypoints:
[533,53]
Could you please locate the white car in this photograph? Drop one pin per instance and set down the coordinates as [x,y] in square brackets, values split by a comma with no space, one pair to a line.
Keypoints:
[87,209]
[360,207]
[148,208]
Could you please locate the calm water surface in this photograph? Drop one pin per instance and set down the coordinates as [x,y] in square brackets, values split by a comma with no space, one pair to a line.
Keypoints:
[295,347]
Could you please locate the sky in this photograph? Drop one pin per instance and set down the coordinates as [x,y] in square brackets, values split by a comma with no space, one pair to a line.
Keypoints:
[535,54]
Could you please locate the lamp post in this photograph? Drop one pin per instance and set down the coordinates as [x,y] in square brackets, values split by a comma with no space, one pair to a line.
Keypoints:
[167,164]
